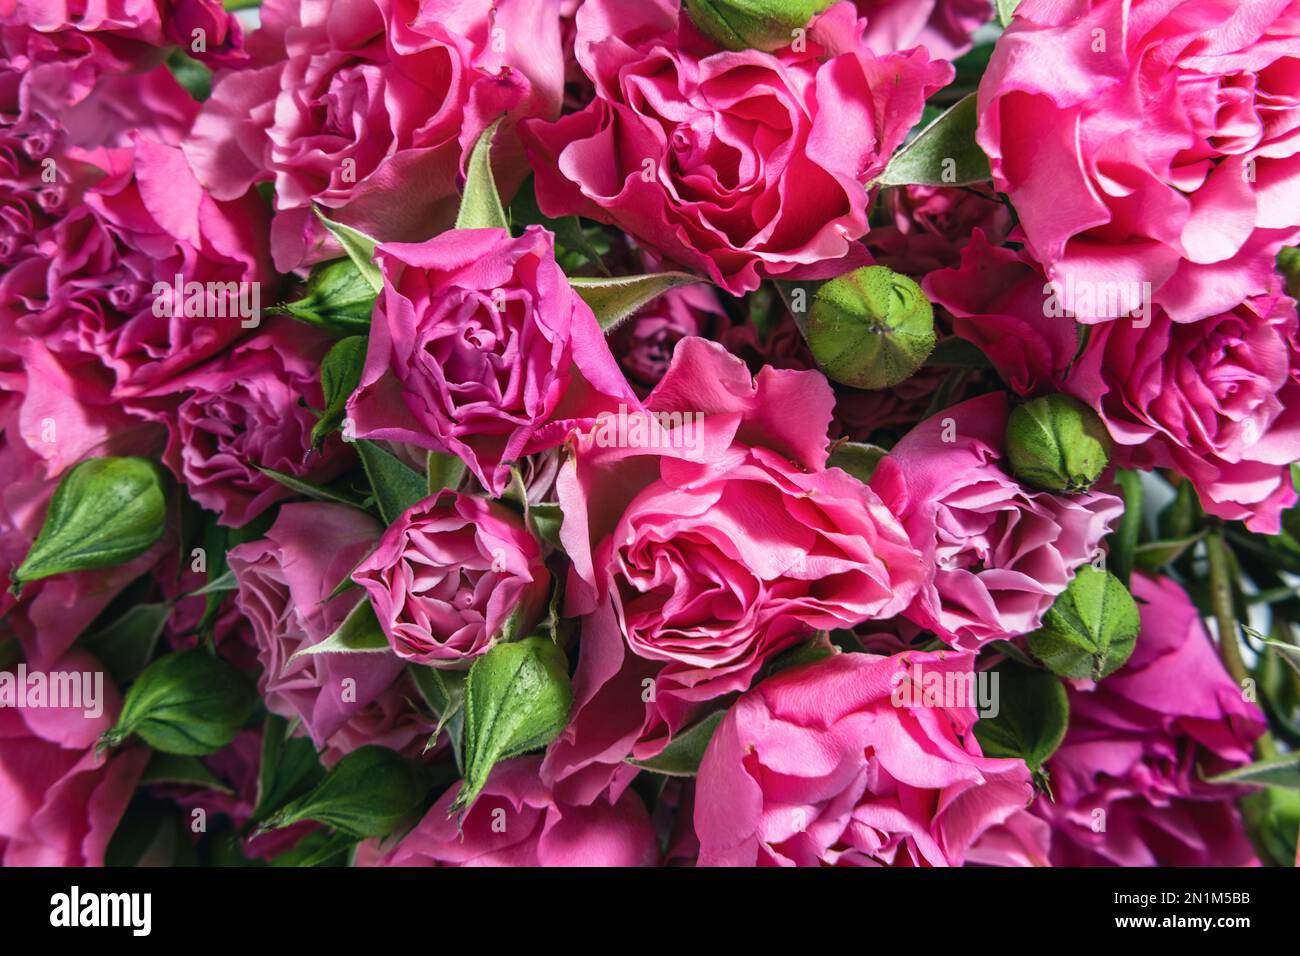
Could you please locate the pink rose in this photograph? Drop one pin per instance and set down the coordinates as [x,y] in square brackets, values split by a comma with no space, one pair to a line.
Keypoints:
[516,821]
[703,545]
[1217,401]
[644,344]
[1001,552]
[741,165]
[284,581]
[932,224]
[1140,745]
[392,720]
[826,764]
[1151,143]
[477,343]
[367,101]
[449,573]
[943,27]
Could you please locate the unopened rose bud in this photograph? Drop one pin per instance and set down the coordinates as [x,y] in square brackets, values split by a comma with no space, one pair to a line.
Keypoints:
[754,24]
[1056,443]
[871,328]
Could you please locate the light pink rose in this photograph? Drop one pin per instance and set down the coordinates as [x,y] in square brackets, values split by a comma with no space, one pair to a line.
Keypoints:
[479,347]
[1140,745]
[59,802]
[1217,401]
[702,550]
[1148,142]
[516,821]
[943,27]
[284,581]
[447,575]
[1001,552]
[365,101]
[741,165]
[826,764]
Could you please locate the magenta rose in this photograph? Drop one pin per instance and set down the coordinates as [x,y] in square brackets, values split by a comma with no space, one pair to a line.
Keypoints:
[62,802]
[944,27]
[1149,148]
[741,165]
[932,224]
[284,582]
[707,535]
[1217,401]
[480,348]
[1001,552]
[449,573]
[351,104]
[829,765]
[644,344]
[516,821]
[1130,778]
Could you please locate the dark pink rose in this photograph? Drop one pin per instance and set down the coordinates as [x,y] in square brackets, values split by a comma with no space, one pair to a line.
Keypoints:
[1129,780]
[393,720]
[706,535]
[284,581]
[478,342]
[61,802]
[371,100]
[516,821]
[943,27]
[829,765]
[449,573]
[932,224]
[741,165]
[644,344]
[1149,148]
[1000,552]
[1216,400]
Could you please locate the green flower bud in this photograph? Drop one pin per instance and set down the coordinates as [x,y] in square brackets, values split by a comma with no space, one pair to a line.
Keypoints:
[517,699]
[105,512]
[753,24]
[1091,628]
[1056,443]
[338,298]
[871,328]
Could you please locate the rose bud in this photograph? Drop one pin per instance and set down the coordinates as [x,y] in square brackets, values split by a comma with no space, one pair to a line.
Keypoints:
[1057,443]
[871,328]
[753,24]
[1090,629]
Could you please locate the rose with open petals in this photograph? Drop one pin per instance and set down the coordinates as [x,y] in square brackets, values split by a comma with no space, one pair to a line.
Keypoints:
[826,764]
[1148,147]
[742,165]
[1001,552]
[479,347]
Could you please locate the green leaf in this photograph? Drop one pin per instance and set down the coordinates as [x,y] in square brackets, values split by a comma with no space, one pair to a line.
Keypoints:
[183,770]
[1006,9]
[397,486]
[1090,630]
[1123,543]
[125,645]
[943,154]
[1288,652]
[857,458]
[1283,771]
[339,299]
[445,471]
[444,691]
[191,703]
[955,352]
[368,793]
[311,489]
[340,374]
[223,583]
[1032,715]
[1153,555]
[359,633]
[682,756]
[190,74]
[613,300]
[289,767]
[105,512]
[359,247]
[480,204]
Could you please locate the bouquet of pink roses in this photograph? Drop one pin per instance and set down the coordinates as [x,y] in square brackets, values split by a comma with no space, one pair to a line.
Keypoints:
[671,432]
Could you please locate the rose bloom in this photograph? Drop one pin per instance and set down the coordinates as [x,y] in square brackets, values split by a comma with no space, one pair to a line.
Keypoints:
[1217,401]
[480,348]
[61,802]
[707,545]
[1001,552]
[1148,142]
[644,343]
[1141,744]
[516,821]
[351,104]
[449,573]
[944,27]
[932,224]
[741,165]
[827,765]
[284,581]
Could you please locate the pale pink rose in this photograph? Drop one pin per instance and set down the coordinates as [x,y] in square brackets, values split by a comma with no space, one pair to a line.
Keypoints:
[449,573]
[516,821]
[944,27]
[1148,142]
[740,165]
[1141,744]
[479,347]
[1001,552]
[827,764]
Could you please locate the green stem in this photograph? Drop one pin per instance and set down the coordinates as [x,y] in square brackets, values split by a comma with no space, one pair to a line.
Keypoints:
[1225,617]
